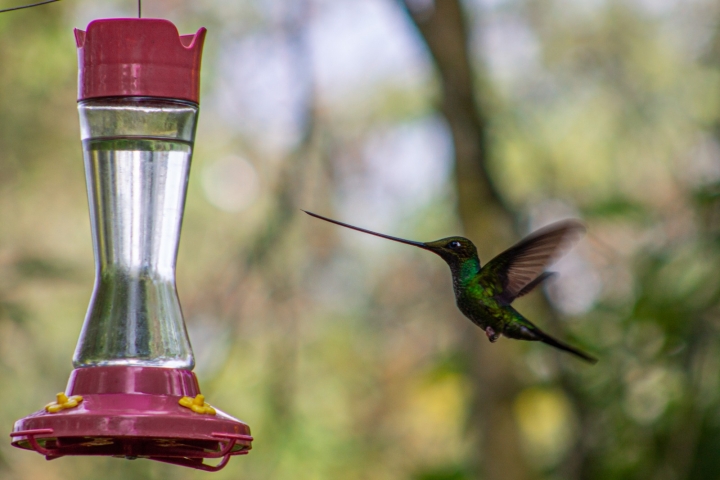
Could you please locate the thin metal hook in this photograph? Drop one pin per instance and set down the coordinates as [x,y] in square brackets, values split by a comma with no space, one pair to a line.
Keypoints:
[139,8]
[28,6]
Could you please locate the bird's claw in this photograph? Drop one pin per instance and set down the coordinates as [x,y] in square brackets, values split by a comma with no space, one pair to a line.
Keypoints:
[491,334]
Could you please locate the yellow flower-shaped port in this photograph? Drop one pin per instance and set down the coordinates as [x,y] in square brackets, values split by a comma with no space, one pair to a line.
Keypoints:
[197,405]
[63,402]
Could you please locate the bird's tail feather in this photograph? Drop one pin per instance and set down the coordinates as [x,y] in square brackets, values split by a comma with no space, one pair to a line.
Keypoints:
[523,329]
[545,338]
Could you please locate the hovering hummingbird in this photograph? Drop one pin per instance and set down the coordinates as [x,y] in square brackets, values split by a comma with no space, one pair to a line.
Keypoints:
[484,294]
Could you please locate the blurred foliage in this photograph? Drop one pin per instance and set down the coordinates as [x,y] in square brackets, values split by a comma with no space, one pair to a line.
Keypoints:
[345,354]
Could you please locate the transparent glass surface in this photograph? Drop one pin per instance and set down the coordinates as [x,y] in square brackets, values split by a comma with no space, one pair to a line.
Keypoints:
[137,160]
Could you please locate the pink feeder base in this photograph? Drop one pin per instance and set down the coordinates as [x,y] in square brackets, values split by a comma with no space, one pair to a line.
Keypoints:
[133,412]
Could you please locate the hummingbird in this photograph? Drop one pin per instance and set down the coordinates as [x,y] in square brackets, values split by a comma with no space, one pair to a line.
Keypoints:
[484,294]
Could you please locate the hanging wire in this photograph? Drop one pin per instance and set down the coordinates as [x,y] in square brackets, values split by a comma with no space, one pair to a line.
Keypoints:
[139,8]
[28,6]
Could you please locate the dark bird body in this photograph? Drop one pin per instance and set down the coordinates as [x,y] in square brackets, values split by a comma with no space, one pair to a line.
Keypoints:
[484,293]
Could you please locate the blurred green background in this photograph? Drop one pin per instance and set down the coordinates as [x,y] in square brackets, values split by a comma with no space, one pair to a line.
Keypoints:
[345,353]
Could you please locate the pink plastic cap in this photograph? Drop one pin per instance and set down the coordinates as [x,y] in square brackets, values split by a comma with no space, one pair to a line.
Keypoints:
[138,57]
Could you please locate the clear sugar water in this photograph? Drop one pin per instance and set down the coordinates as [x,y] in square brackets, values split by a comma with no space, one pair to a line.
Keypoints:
[137,154]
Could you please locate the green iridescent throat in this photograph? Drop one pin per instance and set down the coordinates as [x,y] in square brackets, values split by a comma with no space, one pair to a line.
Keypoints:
[468,269]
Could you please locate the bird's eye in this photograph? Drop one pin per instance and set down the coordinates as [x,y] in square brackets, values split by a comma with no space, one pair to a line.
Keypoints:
[454,245]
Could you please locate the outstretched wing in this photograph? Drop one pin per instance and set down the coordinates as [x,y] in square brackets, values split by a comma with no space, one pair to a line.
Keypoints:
[520,265]
[531,286]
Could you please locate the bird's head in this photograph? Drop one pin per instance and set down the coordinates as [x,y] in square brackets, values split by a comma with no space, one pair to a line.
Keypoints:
[454,250]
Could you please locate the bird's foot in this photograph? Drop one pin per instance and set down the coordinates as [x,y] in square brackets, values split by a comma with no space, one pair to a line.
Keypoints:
[491,334]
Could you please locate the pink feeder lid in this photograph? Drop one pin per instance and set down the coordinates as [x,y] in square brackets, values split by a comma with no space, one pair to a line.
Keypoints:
[124,57]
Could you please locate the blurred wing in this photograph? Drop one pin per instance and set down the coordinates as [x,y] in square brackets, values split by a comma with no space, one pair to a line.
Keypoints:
[531,286]
[520,265]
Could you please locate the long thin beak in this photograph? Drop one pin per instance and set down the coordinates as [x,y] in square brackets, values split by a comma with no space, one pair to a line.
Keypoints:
[395,239]
[28,6]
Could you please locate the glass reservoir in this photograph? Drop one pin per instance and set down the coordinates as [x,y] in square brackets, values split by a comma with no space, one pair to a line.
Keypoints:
[137,153]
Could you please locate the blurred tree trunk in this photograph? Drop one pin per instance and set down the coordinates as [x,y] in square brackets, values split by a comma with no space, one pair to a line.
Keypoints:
[488,221]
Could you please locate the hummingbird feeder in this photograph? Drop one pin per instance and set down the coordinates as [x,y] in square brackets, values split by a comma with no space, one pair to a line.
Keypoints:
[132,393]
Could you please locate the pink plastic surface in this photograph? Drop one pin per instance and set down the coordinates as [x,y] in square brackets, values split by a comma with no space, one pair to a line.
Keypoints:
[138,57]
[148,380]
[134,412]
